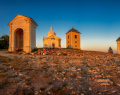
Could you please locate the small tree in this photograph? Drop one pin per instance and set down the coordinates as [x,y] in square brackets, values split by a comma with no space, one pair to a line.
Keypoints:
[110,50]
[4,42]
[70,47]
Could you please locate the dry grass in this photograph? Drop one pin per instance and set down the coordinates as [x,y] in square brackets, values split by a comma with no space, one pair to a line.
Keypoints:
[3,74]
[3,50]
[55,75]
[3,82]
[5,59]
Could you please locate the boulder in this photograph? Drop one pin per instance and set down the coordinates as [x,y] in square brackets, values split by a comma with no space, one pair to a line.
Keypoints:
[104,81]
[32,53]
[58,53]
[44,54]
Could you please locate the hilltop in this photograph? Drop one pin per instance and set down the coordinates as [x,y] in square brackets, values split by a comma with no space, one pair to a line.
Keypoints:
[66,72]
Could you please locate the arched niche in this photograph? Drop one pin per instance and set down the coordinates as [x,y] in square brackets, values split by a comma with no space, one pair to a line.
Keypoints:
[53,44]
[18,35]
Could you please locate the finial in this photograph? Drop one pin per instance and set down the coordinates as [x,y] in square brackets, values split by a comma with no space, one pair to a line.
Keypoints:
[72,26]
[51,28]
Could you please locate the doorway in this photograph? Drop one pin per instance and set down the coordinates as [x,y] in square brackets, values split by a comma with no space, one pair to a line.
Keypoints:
[19,39]
[53,45]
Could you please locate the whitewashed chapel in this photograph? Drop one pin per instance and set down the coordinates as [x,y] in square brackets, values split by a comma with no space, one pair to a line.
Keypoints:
[51,40]
[22,33]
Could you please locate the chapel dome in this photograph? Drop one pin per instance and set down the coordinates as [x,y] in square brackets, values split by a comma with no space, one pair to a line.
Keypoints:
[51,32]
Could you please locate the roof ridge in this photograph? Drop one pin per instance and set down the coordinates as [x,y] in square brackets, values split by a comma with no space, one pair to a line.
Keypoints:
[118,39]
[74,30]
[23,16]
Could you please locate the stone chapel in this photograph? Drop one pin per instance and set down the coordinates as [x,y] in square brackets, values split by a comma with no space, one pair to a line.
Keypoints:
[22,33]
[73,39]
[51,39]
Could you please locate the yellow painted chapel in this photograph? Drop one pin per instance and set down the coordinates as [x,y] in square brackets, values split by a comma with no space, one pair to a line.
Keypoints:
[73,39]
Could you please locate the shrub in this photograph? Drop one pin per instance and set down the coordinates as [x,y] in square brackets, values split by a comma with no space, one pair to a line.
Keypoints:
[70,47]
[3,82]
[35,49]
[43,88]
[73,75]
[3,74]
[5,59]
[51,82]
[25,91]
[55,89]
[3,69]
[46,75]
[27,81]
[64,53]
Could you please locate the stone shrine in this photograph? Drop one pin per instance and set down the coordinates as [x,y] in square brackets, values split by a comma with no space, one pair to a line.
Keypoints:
[22,33]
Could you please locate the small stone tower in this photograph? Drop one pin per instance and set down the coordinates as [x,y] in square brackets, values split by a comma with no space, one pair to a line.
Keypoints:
[73,39]
[118,45]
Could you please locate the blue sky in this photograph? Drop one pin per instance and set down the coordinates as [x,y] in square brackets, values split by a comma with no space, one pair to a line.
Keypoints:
[97,20]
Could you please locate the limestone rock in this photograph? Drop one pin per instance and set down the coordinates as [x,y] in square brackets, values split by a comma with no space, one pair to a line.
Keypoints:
[104,81]
[58,53]
[32,53]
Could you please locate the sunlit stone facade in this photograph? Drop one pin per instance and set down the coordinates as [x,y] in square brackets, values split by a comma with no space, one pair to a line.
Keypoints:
[118,45]
[73,39]
[51,39]
[22,33]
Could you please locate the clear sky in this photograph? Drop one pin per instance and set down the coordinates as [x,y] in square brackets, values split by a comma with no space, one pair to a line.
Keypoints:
[98,21]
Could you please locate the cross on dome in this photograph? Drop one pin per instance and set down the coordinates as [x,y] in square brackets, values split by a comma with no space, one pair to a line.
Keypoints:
[51,28]
[51,32]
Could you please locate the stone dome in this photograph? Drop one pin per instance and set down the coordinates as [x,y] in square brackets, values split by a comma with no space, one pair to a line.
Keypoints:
[51,32]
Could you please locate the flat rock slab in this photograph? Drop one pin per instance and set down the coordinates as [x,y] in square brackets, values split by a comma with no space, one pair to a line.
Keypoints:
[104,81]
[59,54]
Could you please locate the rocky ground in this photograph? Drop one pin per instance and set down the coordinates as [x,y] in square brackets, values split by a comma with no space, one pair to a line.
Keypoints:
[69,72]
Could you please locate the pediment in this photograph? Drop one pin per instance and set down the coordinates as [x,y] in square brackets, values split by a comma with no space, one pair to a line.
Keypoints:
[53,37]
[24,17]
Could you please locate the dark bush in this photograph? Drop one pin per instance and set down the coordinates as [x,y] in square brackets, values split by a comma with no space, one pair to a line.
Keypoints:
[35,49]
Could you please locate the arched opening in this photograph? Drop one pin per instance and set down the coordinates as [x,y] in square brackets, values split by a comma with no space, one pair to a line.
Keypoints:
[19,39]
[53,44]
